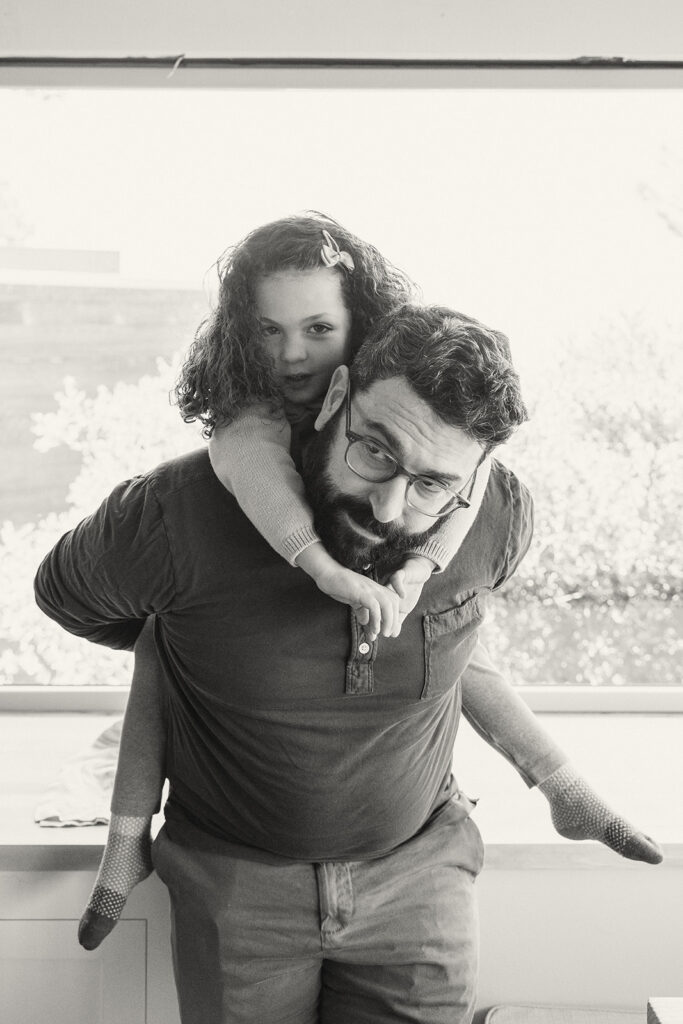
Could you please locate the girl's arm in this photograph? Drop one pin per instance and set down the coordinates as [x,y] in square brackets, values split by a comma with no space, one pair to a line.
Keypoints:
[440,548]
[444,544]
[251,459]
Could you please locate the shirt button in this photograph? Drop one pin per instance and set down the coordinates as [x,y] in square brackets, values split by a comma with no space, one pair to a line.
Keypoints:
[363,648]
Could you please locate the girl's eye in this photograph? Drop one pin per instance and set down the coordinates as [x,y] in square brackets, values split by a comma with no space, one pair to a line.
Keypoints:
[320,328]
[267,330]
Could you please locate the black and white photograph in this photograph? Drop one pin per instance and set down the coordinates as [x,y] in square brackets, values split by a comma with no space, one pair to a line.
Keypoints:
[341,618]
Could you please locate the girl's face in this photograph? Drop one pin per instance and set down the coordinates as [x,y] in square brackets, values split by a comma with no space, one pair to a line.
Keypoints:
[306,327]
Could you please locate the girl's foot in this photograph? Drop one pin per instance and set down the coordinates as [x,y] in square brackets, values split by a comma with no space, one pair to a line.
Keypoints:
[579,813]
[126,861]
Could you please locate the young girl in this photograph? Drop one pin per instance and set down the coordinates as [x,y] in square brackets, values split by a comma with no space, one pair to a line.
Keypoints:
[297,298]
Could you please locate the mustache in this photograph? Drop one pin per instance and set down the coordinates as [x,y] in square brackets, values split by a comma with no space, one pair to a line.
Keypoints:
[361,513]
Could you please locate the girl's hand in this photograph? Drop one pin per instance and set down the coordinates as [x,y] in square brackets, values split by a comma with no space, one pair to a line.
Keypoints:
[408,582]
[376,607]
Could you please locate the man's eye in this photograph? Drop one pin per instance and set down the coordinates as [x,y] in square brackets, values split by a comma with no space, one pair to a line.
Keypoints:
[429,487]
[376,454]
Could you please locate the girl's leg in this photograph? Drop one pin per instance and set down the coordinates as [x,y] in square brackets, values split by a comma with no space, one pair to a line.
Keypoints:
[579,813]
[502,718]
[137,793]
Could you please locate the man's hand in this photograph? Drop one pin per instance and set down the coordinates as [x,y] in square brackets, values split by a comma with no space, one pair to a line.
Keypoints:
[408,582]
[376,607]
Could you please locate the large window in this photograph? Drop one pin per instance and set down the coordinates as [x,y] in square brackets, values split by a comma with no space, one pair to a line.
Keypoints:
[555,215]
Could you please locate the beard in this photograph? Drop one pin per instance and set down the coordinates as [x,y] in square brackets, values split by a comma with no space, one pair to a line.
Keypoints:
[331,508]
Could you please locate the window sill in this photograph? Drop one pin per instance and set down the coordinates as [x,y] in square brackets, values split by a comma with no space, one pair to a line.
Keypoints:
[603,699]
[633,762]
[101,700]
[545,699]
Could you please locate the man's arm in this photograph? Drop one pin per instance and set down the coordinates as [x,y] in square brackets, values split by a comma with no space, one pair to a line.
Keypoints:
[103,579]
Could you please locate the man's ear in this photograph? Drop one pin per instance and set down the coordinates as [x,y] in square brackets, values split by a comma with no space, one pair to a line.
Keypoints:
[336,393]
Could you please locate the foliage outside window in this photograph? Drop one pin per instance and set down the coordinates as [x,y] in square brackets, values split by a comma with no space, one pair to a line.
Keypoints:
[597,601]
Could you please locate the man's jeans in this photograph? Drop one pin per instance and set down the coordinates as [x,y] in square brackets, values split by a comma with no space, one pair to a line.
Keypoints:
[265,940]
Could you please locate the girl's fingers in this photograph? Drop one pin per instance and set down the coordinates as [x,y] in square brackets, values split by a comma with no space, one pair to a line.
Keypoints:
[380,613]
[372,619]
[390,613]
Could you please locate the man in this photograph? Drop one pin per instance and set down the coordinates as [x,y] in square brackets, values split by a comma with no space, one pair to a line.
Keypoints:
[319,856]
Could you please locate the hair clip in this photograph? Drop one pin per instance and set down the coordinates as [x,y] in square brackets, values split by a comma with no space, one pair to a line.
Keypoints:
[331,254]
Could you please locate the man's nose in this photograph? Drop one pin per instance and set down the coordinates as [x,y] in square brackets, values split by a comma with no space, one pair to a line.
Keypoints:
[388,499]
[292,349]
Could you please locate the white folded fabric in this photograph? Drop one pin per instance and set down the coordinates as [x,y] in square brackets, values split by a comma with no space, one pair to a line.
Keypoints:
[81,793]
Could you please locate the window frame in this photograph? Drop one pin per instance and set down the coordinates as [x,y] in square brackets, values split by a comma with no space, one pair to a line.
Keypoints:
[345,73]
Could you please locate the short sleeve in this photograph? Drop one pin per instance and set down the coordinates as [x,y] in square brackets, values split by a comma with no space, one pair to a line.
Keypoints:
[103,578]
[520,528]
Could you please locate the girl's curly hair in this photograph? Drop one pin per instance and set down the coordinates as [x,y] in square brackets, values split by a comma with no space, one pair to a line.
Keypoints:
[226,367]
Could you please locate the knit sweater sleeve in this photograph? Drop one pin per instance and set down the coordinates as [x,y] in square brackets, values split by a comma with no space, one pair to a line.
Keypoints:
[443,545]
[251,459]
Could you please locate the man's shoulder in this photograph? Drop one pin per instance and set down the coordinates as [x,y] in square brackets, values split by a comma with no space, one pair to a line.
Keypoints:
[193,469]
[506,493]
[500,534]
[506,517]
[171,487]
[182,486]
[185,490]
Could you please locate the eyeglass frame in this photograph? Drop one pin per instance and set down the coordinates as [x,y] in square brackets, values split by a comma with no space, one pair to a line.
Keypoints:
[353,438]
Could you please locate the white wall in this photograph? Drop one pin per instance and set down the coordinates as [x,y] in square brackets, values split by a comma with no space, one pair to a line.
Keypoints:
[645,29]
[610,937]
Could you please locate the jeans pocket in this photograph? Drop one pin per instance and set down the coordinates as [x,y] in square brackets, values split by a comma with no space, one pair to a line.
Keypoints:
[449,639]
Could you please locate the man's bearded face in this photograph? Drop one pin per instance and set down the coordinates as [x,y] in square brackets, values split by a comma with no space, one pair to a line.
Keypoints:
[331,508]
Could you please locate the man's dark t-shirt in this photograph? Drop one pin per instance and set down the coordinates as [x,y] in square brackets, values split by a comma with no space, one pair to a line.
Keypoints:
[287,731]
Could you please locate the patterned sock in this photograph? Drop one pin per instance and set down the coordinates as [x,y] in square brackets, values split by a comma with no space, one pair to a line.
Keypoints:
[125,862]
[578,813]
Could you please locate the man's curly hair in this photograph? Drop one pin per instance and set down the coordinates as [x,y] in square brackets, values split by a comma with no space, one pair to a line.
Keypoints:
[226,367]
[461,369]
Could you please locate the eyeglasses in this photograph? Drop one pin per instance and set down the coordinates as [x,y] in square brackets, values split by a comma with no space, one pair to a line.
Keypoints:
[371,461]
